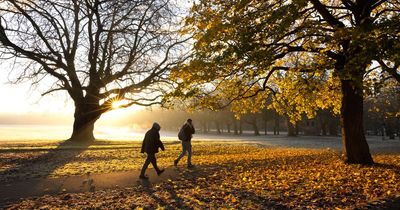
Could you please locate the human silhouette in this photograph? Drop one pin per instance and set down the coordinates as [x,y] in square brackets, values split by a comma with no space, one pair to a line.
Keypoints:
[150,146]
[185,135]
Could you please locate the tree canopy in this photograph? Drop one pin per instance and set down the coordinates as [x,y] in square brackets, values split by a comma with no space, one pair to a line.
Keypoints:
[309,53]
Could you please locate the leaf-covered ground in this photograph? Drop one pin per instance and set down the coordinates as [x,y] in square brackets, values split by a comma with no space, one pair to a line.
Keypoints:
[226,175]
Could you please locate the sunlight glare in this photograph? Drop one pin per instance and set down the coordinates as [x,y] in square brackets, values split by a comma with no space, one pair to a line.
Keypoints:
[117,104]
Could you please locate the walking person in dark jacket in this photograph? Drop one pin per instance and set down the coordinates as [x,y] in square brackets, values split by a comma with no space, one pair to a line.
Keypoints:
[188,131]
[150,145]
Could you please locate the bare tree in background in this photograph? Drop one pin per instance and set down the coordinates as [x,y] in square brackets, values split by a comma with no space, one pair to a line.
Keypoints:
[98,51]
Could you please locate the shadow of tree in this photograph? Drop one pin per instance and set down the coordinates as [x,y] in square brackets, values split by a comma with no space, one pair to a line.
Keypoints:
[386,204]
[194,174]
[265,201]
[41,163]
[24,178]
[177,201]
[387,166]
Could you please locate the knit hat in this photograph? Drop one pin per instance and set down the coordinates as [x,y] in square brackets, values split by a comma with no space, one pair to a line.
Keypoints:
[156,126]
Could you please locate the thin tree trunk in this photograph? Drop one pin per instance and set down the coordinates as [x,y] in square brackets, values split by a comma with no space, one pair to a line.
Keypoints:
[218,127]
[240,127]
[276,126]
[333,128]
[324,128]
[235,127]
[255,128]
[205,127]
[254,124]
[291,128]
[265,125]
[355,146]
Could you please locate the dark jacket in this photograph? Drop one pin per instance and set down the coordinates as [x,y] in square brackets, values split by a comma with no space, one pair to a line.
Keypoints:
[152,142]
[189,131]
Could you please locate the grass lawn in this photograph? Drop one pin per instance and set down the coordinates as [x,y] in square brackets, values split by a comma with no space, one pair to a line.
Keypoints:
[227,175]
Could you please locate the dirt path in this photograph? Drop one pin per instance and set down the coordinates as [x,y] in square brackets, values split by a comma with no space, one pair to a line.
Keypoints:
[13,191]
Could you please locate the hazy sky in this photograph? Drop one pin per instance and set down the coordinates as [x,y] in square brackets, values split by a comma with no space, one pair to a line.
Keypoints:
[20,103]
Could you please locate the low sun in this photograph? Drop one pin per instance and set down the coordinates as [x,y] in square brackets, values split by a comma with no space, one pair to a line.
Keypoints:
[117,104]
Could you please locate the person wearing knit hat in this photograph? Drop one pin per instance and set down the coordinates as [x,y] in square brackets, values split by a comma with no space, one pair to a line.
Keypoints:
[150,146]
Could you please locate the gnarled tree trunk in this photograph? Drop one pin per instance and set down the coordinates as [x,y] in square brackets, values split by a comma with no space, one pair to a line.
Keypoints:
[83,128]
[87,112]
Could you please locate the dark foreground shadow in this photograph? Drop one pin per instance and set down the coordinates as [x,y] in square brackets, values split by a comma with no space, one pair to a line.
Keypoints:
[387,166]
[178,202]
[201,175]
[387,204]
[42,162]
[24,177]
[193,175]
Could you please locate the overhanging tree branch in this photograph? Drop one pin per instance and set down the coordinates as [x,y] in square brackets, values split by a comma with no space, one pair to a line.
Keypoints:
[328,17]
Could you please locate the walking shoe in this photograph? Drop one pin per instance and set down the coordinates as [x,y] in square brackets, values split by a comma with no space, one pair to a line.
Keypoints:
[160,172]
[143,177]
[175,163]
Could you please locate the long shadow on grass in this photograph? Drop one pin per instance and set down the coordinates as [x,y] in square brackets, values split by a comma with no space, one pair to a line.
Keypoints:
[218,194]
[42,162]
[395,168]
[150,191]
[387,204]
[193,176]
[27,175]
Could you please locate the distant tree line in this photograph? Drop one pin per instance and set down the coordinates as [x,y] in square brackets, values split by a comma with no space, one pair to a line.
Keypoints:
[270,122]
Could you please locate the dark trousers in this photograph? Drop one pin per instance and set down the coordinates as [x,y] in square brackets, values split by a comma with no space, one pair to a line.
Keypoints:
[151,158]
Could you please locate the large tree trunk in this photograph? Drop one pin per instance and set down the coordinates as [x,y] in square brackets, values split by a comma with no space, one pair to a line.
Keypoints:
[83,129]
[355,146]
[87,112]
